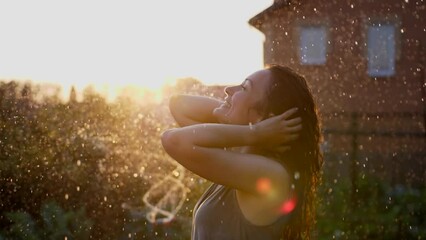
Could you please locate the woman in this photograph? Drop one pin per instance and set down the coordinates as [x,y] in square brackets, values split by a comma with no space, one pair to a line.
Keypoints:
[260,148]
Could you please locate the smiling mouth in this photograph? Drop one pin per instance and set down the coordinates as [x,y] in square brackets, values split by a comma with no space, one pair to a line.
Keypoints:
[226,103]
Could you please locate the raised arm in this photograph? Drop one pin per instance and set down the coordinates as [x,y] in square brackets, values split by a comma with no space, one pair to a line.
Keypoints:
[199,148]
[189,109]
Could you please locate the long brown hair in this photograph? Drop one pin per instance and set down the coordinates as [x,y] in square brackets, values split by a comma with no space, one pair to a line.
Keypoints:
[288,89]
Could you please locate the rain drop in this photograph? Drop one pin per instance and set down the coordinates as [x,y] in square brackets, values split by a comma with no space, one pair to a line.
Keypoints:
[296,175]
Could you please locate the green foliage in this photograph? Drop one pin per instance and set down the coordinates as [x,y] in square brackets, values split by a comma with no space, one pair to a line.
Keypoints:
[24,226]
[101,155]
[177,229]
[375,211]
[82,153]
[54,223]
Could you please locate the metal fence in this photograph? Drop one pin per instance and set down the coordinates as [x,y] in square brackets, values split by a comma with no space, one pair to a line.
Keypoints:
[389,146]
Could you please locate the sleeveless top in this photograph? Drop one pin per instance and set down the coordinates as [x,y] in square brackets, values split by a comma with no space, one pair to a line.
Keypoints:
[217,216]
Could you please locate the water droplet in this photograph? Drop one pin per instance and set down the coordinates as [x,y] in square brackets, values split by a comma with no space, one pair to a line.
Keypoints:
[296,175]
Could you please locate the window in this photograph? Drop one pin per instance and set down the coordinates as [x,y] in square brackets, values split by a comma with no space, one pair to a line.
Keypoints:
[313,45]
[381,50]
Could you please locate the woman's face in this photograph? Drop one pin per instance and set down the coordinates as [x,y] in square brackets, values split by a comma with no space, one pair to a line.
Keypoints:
[241,100]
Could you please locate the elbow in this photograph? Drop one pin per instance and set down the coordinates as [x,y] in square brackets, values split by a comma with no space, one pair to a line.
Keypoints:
[170,139]
[177,146]
[177,110]
[167,140]
[174,102]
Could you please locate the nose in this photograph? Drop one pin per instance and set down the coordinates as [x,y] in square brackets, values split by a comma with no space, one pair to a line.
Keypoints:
[230,90]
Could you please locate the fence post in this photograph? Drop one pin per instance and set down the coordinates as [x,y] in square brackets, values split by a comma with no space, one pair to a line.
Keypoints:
[353,158]
[423,84]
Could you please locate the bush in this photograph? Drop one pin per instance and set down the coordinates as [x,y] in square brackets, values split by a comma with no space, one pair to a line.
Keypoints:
[376,211]
[90,153]
[52,223]
[100,156]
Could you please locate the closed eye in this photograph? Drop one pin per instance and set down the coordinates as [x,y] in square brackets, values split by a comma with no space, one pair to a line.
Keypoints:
[244,84]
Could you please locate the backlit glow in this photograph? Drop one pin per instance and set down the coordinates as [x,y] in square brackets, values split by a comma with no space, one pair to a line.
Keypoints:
[119,43]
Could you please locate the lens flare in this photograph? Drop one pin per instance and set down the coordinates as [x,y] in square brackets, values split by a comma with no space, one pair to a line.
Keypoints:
[288,206]
[263,185]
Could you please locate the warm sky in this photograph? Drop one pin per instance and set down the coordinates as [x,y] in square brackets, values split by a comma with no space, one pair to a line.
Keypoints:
[148,42]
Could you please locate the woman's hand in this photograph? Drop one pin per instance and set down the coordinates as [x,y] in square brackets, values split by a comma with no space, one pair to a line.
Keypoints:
[278,130]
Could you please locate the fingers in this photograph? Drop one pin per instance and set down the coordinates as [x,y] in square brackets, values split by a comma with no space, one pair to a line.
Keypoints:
[295,129]
[288,113]
[283,149]
[294,121]
[292,137]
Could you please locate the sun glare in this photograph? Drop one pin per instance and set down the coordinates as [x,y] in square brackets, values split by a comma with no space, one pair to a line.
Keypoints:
[112,46]
[137,91]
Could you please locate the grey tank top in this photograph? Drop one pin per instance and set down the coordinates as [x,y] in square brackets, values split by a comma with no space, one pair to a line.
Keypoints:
[217,216]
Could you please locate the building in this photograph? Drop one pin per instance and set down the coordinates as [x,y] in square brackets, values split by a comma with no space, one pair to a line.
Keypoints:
[364,61]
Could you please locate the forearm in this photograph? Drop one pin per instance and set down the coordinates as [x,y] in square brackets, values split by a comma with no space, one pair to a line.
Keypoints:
[213,163]
[189,110]
[213,135]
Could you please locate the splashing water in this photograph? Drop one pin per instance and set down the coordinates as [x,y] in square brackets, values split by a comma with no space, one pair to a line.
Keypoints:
[163,200]
[173,194]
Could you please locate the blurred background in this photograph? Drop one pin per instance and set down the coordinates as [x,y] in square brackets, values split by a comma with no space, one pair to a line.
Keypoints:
[84,88]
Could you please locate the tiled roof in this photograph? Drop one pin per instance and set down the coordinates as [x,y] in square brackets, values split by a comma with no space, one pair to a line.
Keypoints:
[258,20]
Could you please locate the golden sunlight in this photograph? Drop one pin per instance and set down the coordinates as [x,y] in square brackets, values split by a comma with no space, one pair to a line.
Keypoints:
[111,45]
